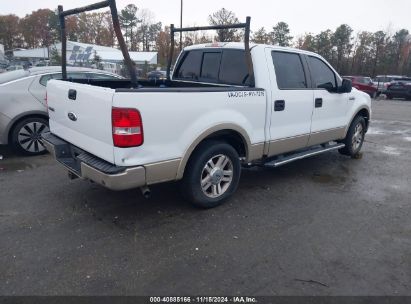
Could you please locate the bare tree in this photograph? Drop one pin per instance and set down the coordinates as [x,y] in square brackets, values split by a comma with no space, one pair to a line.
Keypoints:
[224,17]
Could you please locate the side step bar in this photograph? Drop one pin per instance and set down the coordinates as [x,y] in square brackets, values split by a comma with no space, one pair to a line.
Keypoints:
[282,160]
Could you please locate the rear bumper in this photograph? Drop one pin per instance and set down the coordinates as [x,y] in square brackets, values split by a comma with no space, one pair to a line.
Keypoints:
[87,166]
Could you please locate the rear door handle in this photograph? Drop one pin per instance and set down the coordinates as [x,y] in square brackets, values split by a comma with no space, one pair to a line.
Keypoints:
[318,102]
[279,105]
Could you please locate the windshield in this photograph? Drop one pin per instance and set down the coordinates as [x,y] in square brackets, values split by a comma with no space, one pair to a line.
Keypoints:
[13,75]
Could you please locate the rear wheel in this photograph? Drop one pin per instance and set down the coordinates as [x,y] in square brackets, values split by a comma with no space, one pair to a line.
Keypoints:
[355,137]
[26,136]
[212,174]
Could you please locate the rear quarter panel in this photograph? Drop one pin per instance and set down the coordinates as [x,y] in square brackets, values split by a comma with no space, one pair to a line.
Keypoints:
[16,102]
[172,121]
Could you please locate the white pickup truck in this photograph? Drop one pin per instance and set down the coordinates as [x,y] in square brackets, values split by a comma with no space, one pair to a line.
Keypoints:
[207,122]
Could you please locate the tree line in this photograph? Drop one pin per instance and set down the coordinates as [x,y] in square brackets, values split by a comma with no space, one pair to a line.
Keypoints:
[363,53]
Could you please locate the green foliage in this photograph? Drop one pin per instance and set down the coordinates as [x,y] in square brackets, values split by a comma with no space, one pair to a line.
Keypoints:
[261,36]
[281,34]
[55,58]
[363,53]
[225,17]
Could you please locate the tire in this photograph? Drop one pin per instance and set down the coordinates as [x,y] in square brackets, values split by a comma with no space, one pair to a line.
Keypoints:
[355,137]
[212,174]
[389,97]
[25,137]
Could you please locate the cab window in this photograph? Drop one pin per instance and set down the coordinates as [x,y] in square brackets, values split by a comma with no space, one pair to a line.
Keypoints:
[322,75]
[289,70]
[214,66]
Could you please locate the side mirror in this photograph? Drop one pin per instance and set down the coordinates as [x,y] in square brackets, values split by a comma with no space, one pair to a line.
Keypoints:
[346,86]
[327,86]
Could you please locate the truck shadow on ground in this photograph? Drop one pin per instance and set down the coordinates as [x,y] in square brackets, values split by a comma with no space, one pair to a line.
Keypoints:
[126,209]
[258,186]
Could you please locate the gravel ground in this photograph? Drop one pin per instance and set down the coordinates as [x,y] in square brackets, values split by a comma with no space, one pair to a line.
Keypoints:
[328,225]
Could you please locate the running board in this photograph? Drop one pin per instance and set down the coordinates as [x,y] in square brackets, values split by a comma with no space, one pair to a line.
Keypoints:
[282,160]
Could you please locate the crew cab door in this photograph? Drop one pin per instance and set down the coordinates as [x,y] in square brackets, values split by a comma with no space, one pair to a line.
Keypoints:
[330,107]
[291,101]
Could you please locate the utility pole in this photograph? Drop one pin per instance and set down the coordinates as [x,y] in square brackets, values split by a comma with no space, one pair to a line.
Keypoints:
[181,25]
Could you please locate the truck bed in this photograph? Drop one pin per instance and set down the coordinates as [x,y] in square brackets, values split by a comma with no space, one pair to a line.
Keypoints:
[174,114]
[124,85]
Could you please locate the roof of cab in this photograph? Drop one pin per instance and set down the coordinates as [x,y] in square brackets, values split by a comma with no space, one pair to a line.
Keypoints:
[241,46]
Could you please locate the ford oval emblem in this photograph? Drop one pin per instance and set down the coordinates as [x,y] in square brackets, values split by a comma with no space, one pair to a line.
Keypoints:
[72,116]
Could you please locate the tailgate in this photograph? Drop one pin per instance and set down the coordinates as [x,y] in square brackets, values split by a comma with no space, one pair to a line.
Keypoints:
[81,115]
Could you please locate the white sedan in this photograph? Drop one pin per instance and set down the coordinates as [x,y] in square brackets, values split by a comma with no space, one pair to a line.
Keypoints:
[23,109]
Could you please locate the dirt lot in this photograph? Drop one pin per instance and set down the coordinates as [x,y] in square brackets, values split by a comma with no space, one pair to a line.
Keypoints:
[328,225]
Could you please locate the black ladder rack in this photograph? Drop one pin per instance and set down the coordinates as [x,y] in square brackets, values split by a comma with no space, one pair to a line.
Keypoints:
[245,26]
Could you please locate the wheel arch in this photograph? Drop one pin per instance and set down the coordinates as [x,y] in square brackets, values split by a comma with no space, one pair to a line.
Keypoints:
[230,133]
[365,113]
[19,118]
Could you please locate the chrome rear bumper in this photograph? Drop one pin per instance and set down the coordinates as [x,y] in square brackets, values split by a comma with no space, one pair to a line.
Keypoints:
[87,166]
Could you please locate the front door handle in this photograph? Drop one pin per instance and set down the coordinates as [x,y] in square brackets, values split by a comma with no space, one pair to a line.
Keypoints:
[318,102]
[279,105]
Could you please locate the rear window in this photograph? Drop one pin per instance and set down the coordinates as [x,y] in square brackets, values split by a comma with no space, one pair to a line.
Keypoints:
[13,75]
[234,68]
[214,66]
[210,66]
[190,66]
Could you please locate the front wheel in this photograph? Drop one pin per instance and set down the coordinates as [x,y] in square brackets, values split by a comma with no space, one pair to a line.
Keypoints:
[212,174]
[355,137]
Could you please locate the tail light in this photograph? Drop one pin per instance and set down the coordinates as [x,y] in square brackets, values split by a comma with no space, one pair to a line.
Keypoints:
[127,127]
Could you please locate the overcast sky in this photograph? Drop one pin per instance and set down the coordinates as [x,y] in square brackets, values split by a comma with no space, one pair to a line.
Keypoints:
[302,16]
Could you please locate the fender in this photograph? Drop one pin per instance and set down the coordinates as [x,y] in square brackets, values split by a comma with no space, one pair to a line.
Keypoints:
[220,127]
[363,107]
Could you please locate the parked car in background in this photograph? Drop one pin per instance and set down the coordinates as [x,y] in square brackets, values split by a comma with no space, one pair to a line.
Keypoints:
[157,75]
[23,113]
[383,81]
[399,89]
[364,84]
[15,67]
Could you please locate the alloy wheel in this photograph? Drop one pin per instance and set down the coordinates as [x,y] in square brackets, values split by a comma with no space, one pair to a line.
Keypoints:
[217,176]
[29,137]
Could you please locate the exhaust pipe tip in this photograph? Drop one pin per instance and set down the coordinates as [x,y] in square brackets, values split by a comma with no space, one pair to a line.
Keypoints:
[146,192]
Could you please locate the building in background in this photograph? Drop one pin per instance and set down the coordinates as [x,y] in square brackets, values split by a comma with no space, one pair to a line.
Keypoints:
[83,54]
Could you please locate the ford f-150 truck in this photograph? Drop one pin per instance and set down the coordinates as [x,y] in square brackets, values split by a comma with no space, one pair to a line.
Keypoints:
[227,105]
[207,122]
